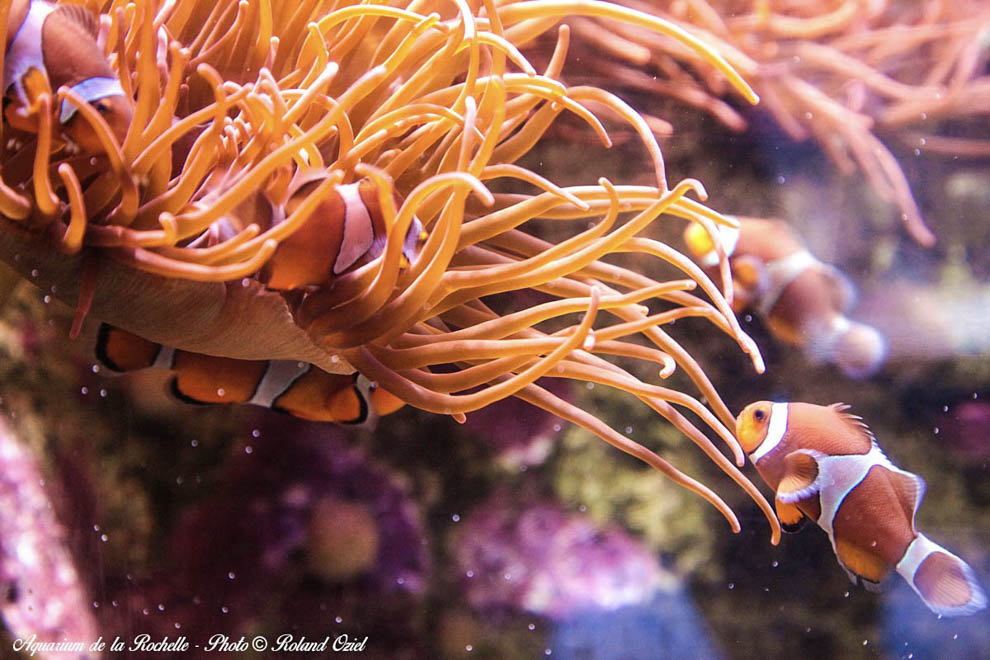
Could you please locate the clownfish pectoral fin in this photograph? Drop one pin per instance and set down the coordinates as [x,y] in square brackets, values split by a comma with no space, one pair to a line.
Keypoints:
[800,476]
[861,563]
[946,584]
[35,83]
[119,350]
[791,518]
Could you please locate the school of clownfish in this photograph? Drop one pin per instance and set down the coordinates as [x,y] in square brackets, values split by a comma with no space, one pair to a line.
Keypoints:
[822,463]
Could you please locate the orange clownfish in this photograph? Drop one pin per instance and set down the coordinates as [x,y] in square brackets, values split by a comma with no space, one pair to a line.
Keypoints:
[346,230]
[60,43]
[803,301]
[824,464]
[296,388]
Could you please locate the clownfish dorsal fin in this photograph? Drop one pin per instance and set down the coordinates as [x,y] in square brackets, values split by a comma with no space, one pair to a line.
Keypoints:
[910,489]
[854,422]
[800,476]
[78,15]
[843,291]
[69,47]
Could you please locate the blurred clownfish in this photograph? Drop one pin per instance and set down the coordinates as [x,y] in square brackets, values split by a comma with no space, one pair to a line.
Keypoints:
[60,43]
[803,301]
[296,388]
[824,464]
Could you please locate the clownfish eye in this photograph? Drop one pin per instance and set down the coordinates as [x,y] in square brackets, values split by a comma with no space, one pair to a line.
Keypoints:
[759,414]
[103,107]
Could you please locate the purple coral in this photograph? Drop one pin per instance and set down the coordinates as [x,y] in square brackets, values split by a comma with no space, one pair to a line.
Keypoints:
[44,602]
[300,525]
[548,561]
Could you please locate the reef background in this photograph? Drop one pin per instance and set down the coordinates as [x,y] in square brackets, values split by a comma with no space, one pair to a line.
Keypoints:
[194,521]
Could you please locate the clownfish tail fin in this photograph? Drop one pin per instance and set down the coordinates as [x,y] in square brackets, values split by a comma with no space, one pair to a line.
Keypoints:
[946,583]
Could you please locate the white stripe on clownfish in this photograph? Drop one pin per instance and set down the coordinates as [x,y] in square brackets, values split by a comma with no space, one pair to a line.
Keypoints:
[775,432]
[89,90]
[359,232]
[922,548]
[279,377]
[841,474]
[783,271]
[24,49]
[165,358]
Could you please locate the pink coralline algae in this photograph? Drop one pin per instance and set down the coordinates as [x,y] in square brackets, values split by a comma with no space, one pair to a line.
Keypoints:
[551,562]
[44,603]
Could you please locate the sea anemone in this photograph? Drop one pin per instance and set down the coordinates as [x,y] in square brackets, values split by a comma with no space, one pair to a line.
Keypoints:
[249,115]
[848,74]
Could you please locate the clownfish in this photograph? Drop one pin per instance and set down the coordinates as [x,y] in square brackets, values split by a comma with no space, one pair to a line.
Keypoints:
[803,301]
[824,464]
[296,388]
[50,46]
[346,230]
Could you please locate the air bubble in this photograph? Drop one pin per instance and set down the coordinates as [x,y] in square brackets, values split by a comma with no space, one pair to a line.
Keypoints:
[455,518]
